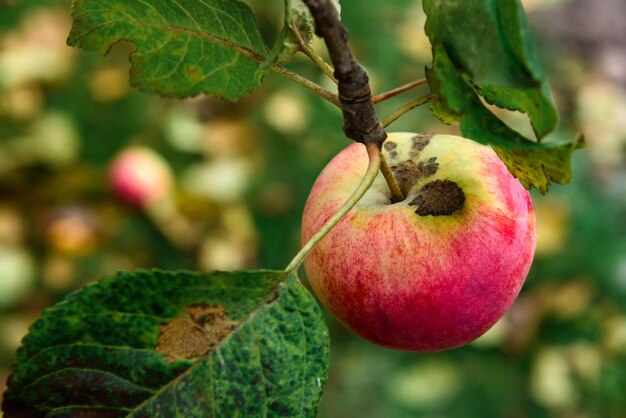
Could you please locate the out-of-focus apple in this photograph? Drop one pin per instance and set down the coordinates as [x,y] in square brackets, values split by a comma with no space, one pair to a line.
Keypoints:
[436,270]
[139,176]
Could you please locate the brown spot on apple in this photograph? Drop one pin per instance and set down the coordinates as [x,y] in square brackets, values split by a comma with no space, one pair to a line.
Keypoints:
[392,148]
[439,198]
[408,173]
[196,334]
[418,143]
[405,174]
[390,145]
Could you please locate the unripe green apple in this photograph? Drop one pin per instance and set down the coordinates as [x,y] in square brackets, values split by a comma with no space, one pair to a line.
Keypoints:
[436,270]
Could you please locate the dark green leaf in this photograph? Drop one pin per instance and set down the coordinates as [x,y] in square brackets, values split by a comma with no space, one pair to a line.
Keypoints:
[175,344]
[182,48]
[483,48]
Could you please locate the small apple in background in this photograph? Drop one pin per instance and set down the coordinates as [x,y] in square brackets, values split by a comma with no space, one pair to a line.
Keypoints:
[436,270]
[143,179]
[139,176]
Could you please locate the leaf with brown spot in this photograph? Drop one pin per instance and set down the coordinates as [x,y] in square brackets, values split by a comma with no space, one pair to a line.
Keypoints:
[195,334]
[184,344]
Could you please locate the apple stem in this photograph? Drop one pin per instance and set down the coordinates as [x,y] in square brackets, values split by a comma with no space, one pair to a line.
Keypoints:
[396,192]
[374,155]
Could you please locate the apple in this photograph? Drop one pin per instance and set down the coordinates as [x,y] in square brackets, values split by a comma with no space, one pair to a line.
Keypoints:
[434,271]
[139,176]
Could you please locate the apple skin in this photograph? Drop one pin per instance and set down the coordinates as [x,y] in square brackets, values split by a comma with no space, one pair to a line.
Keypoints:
[139,176]
[420,283]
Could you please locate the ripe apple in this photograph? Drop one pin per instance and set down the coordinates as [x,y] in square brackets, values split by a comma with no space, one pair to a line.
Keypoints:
[139,176]
[436,270]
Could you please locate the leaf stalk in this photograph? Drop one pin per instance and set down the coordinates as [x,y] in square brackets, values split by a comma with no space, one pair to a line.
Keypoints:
[393,116]
[374,156]
[398,90]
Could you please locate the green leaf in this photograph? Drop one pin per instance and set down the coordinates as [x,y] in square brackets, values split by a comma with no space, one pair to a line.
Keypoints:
[182,48]
[484,49]
[175,344]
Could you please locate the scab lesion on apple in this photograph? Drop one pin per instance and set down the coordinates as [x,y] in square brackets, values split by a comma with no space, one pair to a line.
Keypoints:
[407,173]
[417,144]
[436,198]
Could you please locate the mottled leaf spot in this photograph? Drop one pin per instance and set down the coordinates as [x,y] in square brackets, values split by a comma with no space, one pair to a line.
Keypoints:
[196,334]
[194,73]
[439,197]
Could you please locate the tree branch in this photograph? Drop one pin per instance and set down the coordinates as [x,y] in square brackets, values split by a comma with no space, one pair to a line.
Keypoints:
[359,118]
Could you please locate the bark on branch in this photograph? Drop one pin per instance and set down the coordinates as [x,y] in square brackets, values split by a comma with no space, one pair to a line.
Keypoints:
[359,118]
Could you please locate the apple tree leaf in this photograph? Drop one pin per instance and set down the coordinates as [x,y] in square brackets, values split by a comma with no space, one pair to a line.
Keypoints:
[175,344]
[484,49]
[534,164]
[183,48]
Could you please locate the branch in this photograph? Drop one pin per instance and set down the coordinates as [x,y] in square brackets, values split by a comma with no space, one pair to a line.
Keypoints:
[359,118]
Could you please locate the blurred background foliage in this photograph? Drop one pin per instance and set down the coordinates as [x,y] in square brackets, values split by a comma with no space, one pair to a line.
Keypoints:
[242,174]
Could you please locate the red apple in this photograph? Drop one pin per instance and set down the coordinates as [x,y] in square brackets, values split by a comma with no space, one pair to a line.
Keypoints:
[140,176]
[436,270]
